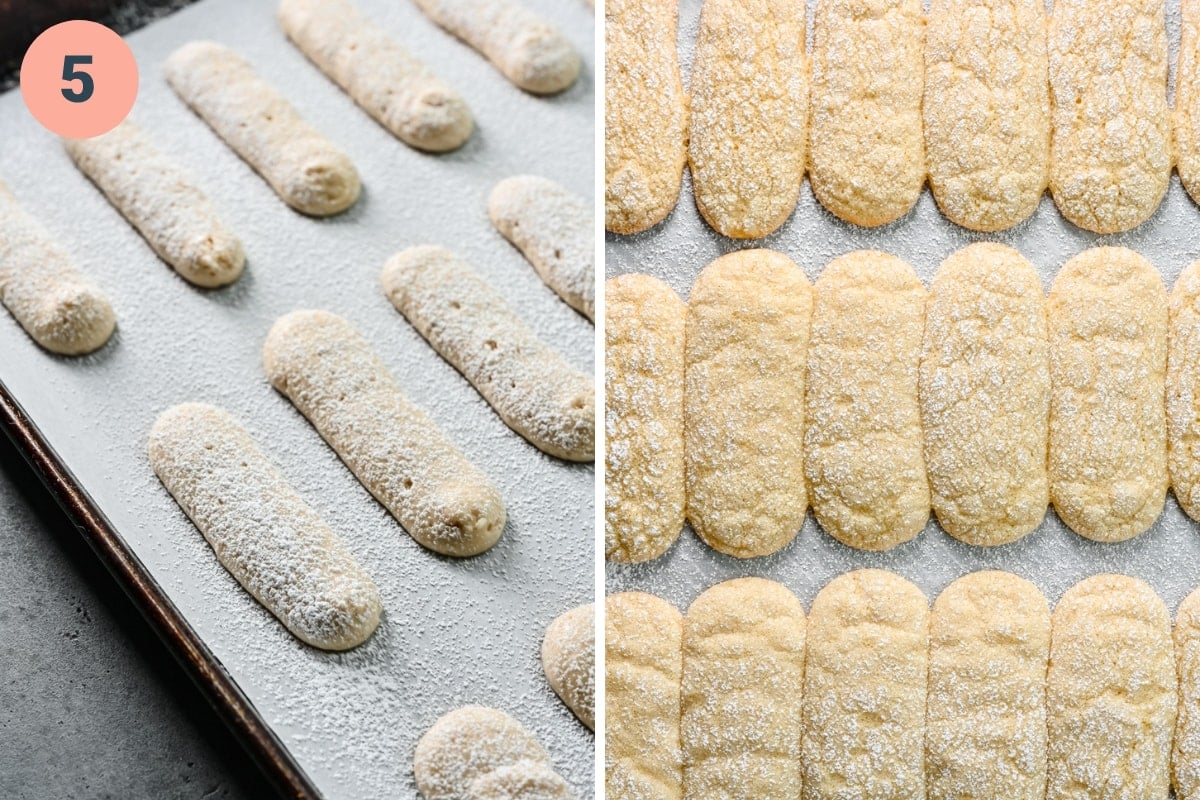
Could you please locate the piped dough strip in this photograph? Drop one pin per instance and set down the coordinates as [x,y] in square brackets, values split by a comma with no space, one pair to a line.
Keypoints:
[866,153]
[533,388]
[643,664]
[329,372]
[1107,314]
[749,114]
[58,306]
[743,669]
[275,545]
[643,417]
[569,661]
[1183,391]
[985,734]
[390,84]
[645,114]
[985,395]
[305,169]
[743,424]
[1185,119]
[552,227]
[528,50]
[1110,692]
[159,199]
[987,110]
[1110,157]
[1185,753]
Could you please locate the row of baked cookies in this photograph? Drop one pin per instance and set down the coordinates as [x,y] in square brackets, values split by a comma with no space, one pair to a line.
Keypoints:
[874,696]
[989,101]
[875,400]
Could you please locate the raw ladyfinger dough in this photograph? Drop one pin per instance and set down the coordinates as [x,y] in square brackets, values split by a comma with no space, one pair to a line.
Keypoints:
[391,85]
[159,199]
[745,354]
[275,545]
[643,418]
[552,227]
[1110,156]
[1186,116]
[1107,315]
[305,169]
[743,668]
[866,153]
[329,372]
[569,661]
[1185,755]
[643,664]
[477,753]
[645,114]
[469,323]
[985,718]
[985,395]
[1183,391]
[987,110]
[1110,693]
[749,114]
[527,49]
[862,439]
[864,689]
[58,306]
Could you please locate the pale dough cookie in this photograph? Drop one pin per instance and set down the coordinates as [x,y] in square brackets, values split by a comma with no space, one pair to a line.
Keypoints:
[57,305]
[1185,756]
[400,92]
[643,662]
[985,735]
[477,753]
[743,668]
[1108,357]
[745,354]
[569,661]
[1183,391]
[275,545]
[864,689]
[1110,156]
[866,153]
[987,110]
[645,114]
[161,201]
[985,395]
[1110,693]
[527,49]
[304,168]
[552,227]
[1186,116]
[643,418]
[533,388]
[749,114]
[329,372]
[862,439]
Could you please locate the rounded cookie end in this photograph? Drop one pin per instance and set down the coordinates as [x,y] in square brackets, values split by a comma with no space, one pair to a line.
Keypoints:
[73,320]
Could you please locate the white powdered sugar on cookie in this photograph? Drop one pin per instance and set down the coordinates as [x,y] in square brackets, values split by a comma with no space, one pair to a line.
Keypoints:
[569,661]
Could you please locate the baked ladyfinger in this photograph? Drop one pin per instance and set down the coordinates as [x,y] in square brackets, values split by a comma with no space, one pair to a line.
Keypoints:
[1183,391]
[569,661]
[1185,753]
[1185,120]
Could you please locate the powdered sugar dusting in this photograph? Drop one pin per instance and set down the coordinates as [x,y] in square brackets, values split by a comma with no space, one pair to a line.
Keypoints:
[569,660]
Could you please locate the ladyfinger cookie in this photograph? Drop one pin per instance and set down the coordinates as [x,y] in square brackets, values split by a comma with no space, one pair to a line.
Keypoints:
[161,201]
[743,668]
[569,661]
[985,395]
[1110,156]
[866,153]
[643,417]
[527,49]
[985,734]
[1183,391]
[743,424]
[1185,119]
[864,689]
[391,85]
[304,168]
[1107,316]
[1185,753]
[645,114]
[261,530]
[58,306]
[862,439]
[643,664]
[329,372]
[987,110]
[1110,692]
[533,389]
[749,114]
